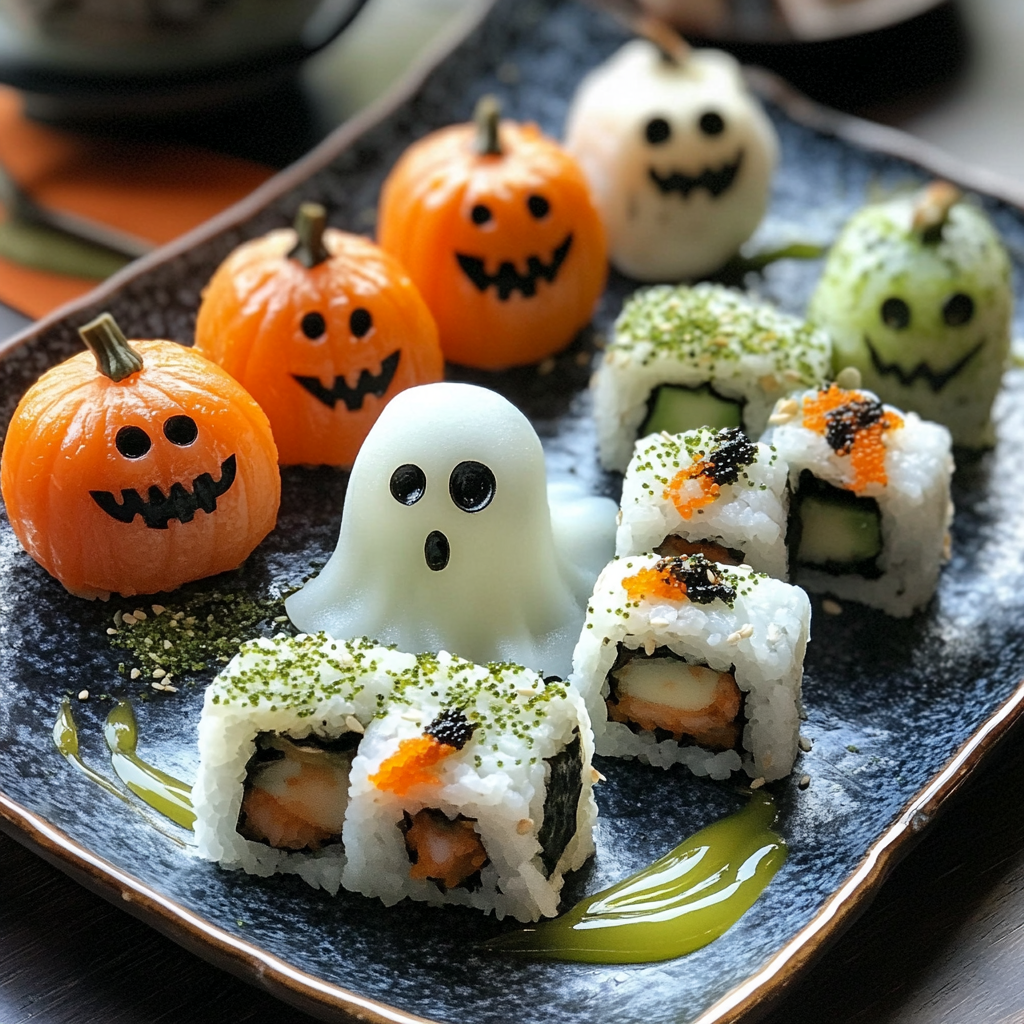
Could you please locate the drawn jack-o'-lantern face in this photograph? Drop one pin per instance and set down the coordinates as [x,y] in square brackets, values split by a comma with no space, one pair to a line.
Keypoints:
[679,156]
[323,332]
[155,470]
[916,295]
[496,225]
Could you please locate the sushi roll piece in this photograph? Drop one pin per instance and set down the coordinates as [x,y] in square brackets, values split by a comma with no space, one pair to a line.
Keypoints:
[917,295]
[706,356]
[870,509]
[474,788]
[279,729]
[686,661]
[712,492]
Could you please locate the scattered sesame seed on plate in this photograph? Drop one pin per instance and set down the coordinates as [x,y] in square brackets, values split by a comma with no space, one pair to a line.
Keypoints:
[83,694]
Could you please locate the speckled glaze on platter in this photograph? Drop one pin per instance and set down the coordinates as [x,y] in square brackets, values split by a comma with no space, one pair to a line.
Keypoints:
[899,711]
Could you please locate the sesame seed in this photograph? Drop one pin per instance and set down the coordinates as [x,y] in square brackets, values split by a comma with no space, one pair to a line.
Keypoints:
[805,781]
[159,673]
[596,776]
[135,673]
[545,367]
[111,631]
[830,607]
[128,619]
[280,618]
[83,694]
[354,725]
[168,645]
[158,609]
[805,744]
[139,615]
[524,825]
[757,783]
[650,646]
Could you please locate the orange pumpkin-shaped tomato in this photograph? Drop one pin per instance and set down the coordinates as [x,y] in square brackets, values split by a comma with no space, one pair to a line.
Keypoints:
[323,328]
[495,224]
[138,471]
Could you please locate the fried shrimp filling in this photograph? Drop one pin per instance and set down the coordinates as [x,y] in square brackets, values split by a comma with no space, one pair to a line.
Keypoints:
[441,849]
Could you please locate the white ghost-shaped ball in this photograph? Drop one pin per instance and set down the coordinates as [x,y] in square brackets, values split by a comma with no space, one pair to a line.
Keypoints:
[679,157]
[447,542]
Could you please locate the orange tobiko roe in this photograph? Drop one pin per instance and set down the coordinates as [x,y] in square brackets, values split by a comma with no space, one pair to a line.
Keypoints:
[61,451]
[411,765]
[517,211]
[653,583]
[867,452]
[709,489]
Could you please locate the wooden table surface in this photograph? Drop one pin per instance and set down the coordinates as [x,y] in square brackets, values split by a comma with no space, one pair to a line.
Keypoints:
[943,942]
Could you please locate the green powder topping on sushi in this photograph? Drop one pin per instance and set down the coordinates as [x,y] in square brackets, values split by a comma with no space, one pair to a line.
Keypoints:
[707,324]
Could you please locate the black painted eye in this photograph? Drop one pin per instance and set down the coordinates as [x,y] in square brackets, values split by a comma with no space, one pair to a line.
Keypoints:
[895,314]
[132,442]
[360,322]
[539,206]
[472,486]
[711,123]
[408,484]
[480,214]
[958,310]
[180,430]
[657,131]
[314,326]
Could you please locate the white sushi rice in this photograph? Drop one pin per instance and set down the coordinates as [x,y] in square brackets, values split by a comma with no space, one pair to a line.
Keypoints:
[296,687]
[749,515]
[499,779]
[914,504]
[760,637]
[690,336]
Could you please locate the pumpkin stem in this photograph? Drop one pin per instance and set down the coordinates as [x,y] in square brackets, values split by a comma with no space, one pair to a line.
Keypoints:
[310,222]
[115,358]
[932,209]
[487,118]
[674,49]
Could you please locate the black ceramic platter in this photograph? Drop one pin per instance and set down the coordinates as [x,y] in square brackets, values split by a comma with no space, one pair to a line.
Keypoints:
[899,711]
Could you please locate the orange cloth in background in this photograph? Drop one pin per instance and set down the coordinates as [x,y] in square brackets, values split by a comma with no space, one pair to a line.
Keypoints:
[153,190]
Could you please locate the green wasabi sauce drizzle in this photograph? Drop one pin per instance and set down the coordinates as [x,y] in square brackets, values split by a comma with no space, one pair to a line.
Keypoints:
[165,794]
[65,739]
[677,905]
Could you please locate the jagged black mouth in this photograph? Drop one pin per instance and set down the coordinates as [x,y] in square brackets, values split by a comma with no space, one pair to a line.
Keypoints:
[508,280]
[936,379]
[715,181]
[368,384]
[159,509]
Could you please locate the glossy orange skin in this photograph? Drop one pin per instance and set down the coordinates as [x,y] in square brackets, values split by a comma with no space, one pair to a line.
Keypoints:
[250,323]
[61,445]
[425,219]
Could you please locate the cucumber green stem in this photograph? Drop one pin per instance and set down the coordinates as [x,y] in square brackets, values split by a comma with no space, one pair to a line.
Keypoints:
[487,118]
[310,222]
[115,358]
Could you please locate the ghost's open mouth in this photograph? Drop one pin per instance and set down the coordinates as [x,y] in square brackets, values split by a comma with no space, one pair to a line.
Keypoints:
[508,279]
[936,379]
[368,384]
[436,550]
[716,180]
[178,503]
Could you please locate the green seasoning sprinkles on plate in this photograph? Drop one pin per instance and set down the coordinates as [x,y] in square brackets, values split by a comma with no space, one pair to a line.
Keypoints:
[684,358]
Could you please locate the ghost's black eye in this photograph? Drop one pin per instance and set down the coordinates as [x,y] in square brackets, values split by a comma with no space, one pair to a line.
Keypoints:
[958,310]
[360,322]
[132,442]
[472,486]
[180,430]
[313,326]
[539,206]
[657,131]
[480,214]
[711,123]
[895,314]
[408,484]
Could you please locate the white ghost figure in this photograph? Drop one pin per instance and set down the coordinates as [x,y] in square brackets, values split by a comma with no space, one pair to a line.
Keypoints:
[679,156]
[447,539]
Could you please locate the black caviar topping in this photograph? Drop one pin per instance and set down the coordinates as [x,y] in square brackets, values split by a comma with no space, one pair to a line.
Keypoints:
[452,728]
[699,576]
[844,422]
[733,451]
